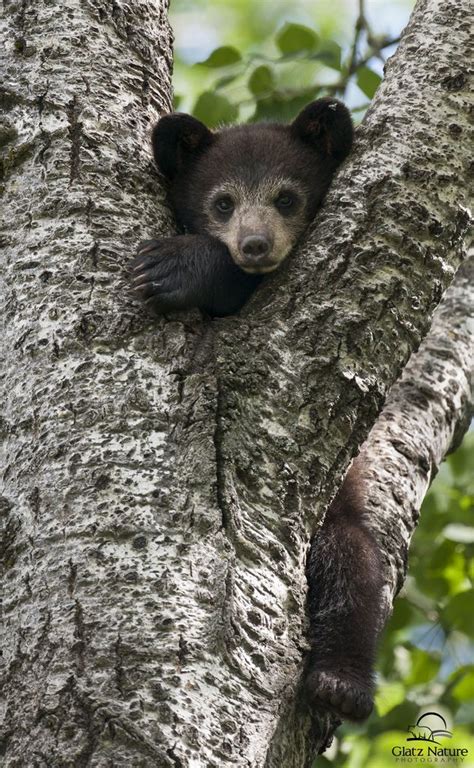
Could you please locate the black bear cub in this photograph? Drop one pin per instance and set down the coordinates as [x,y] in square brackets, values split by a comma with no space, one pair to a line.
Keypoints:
[242,197]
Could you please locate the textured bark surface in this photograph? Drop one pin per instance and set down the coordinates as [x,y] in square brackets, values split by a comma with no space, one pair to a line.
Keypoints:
[162,478]
[82,80]
[426,414]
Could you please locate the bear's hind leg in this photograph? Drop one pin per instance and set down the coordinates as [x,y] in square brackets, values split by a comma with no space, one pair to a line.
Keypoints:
[345,600]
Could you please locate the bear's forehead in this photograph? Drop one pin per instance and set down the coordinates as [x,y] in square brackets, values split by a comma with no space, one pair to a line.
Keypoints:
[256,154]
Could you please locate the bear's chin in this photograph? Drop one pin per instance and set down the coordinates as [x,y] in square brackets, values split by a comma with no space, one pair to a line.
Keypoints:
[262,270]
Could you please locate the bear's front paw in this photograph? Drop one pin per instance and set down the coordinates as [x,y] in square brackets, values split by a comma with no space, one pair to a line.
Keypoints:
[156,277]
[341,693]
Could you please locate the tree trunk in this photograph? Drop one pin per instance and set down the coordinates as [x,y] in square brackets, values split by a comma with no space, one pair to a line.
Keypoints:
[84,407]
[162,478]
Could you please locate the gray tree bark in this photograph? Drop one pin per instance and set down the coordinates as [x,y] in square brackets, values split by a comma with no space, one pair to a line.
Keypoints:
[82,82]
[426,415]
[162,478]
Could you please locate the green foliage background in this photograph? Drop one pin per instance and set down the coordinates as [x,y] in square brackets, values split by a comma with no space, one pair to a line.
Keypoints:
[248,60]
[251,60]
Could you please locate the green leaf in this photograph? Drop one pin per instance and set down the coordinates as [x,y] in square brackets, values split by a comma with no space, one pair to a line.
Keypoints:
[222,57]
[397,716]
[464,689]
[296,38]
[424,667]
[177,99]
[388,696]
[368,81]
[461,461]
[459,613]
[261,81]
[283,107]
[214,109]
[329,54]
[402,614]
[222,82]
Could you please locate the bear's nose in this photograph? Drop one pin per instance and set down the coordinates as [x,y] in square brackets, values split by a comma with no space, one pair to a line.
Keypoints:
[255,246]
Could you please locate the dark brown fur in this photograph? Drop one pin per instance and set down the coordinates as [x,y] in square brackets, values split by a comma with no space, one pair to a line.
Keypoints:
[345,603]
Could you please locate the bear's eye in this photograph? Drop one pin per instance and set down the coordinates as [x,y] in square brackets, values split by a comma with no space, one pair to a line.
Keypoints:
[224,204]
[285,200]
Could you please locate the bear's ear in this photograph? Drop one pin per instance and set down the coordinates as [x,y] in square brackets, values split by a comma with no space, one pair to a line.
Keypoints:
[176,139]
[326,125]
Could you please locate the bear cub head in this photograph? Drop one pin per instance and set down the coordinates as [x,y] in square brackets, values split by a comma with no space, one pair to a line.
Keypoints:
[254,187]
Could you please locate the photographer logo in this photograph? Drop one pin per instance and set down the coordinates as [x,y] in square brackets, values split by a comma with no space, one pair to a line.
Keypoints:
[426,743]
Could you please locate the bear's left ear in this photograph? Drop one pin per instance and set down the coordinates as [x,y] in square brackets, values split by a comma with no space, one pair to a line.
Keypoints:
[326,125]
[176,139]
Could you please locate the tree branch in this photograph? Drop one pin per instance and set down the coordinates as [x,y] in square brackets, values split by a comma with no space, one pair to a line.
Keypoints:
[427,411]
[375,46]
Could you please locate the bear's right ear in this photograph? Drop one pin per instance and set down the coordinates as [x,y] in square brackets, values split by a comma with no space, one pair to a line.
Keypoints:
[176,139]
